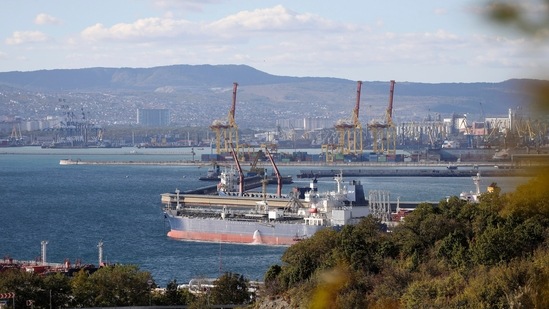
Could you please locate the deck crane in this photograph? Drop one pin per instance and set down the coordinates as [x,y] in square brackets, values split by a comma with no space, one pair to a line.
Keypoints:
[226,131]
[350,130]
[384,134]
[277,173]
[239,169]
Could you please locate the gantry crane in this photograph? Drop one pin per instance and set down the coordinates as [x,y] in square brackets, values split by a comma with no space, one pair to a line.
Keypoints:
[226,131]
[384,134]
[350,130]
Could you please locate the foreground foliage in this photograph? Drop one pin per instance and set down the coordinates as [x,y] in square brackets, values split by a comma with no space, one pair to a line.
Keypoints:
[488,255]
[114,286]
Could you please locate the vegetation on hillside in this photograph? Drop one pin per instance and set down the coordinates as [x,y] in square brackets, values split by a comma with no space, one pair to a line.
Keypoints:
[114,286]
[494,254]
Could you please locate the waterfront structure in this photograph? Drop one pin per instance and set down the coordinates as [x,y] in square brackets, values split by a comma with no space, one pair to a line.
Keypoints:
[226,130]
[350,130]
[153,117]
[384,132]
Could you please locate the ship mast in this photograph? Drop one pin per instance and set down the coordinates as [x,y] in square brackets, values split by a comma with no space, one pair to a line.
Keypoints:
[100,246]
[44,244]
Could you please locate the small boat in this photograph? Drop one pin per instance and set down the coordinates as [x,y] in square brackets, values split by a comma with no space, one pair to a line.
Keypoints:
[68,162]
[212,174]
[451,167]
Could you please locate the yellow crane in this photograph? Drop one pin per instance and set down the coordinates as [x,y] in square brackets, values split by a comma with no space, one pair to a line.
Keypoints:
[350,130]
[226,130]
[384,133]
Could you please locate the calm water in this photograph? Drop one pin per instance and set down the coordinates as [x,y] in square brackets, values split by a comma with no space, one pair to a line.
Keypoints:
[74,207]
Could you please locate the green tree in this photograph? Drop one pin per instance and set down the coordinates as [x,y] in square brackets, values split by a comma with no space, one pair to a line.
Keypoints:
[496,244]
[454,249]
[58,288]
[230,288]
[119,285]
[82,290]
[305,257]
[173,295]
[44,290]
[426,225]
[271,280]
[25,285]
[362,244]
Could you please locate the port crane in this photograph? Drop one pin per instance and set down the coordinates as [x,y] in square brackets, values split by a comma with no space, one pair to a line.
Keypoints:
[384,133]
[350,130]
[226,131]
[16,138]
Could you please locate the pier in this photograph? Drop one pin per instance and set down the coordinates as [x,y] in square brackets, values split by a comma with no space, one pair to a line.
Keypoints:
[404,172]
[359,169]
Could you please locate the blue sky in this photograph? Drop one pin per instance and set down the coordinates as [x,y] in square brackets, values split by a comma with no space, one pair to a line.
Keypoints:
[417,41]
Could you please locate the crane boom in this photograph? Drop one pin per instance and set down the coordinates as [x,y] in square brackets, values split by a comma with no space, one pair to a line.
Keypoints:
[240,173]
[277,173]
[357,105]
[389,115]
[233,106]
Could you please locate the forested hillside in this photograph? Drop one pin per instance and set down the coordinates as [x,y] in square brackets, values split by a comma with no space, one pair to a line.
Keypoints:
[493,254]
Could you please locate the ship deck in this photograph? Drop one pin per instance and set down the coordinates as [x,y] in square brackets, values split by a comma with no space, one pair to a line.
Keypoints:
[229,201]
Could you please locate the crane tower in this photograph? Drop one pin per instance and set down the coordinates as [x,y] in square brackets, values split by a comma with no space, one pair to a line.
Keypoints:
[226,131]
[350,130]
[384,133]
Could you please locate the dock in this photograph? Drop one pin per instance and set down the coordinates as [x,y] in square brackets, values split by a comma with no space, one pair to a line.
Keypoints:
[319,173]
[251,182]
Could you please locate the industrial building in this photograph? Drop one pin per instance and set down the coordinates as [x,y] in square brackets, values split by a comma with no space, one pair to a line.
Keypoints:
[153,117]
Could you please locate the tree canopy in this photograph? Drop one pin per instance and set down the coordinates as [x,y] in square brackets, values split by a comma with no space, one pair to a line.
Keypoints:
[493,254]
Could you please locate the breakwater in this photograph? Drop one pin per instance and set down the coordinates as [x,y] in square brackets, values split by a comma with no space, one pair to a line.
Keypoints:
[406,172]
[358,169]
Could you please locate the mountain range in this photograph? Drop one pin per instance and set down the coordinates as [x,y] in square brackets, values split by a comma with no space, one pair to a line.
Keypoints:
[198,94]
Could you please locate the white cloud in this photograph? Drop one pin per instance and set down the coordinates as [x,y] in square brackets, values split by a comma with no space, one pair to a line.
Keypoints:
[45,19]
[189,5]
[246,25]
[23,37]
[269,19]
[142,29]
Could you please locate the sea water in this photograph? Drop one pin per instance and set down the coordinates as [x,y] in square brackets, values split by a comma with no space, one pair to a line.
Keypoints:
[74,207]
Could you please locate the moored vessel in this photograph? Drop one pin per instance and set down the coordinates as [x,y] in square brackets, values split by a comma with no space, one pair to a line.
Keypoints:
[244,217]
[261,218]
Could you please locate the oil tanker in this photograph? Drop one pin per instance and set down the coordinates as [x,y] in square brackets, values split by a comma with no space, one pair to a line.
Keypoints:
[262,218]
[237,216]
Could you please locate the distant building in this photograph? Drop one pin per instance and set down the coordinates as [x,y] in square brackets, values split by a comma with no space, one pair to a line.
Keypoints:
[153,117]
[317,123]
[307,123]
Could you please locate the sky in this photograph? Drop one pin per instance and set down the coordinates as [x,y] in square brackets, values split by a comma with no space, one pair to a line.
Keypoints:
[417,41]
